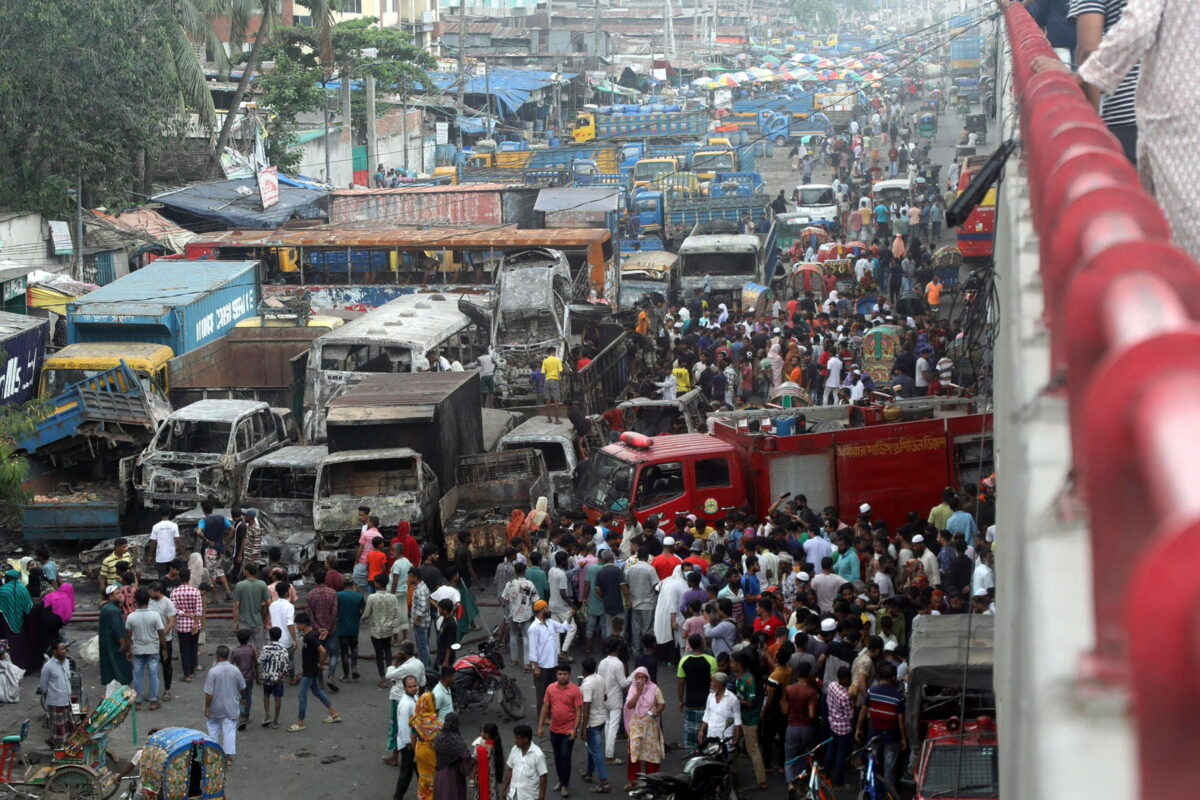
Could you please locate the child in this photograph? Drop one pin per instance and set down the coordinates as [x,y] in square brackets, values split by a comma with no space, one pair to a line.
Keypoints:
[447,631]
[695,621]
[245,658]
[647,659]
[538,379]
[273,663]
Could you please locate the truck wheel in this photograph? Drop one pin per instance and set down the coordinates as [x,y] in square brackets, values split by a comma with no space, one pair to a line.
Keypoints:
[780,141]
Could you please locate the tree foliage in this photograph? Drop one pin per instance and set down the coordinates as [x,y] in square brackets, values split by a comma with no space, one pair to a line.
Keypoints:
[823,13]
[289,90]
[81,92]
[16,422]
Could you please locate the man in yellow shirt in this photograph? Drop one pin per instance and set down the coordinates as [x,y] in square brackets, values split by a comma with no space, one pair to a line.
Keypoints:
[552,368]
[683,380]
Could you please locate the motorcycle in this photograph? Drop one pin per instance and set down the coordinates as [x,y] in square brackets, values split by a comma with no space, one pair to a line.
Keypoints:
[479,679]
[707,775]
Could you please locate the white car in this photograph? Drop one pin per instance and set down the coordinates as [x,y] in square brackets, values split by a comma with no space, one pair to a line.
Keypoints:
[816,200]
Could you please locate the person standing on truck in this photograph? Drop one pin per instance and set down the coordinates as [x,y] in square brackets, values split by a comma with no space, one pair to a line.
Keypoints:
[552,370]
[487,378]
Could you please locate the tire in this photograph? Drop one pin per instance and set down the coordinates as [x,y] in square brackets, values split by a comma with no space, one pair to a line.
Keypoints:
[72,783]
[113,764]
[780,141]
[884,790]
[512,702]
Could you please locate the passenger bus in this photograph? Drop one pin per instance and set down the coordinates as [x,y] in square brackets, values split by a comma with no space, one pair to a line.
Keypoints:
[398,336]
[977,235]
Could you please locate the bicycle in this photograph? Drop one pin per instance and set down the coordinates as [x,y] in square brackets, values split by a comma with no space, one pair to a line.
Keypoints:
[874,785]
[811,784]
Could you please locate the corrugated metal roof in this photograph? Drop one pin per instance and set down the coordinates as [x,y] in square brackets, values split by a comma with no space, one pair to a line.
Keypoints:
[166,282]
[578,198]
[17,323]
[419,320]
[403,389]
[466,187]
[412,238]
[217,410]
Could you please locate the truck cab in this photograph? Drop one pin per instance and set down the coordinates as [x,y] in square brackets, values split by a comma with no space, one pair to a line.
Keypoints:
[648,170]
[77,362]
[584,127]
[201,451]
[816,200]
[281,486]
[556,442]
[395,482]
[707,163]
[730,260]
[664,476]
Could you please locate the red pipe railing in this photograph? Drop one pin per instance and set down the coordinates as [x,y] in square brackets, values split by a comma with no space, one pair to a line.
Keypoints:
[1122,306]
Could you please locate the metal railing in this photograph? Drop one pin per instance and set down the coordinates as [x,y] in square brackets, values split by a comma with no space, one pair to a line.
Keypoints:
[1122,305]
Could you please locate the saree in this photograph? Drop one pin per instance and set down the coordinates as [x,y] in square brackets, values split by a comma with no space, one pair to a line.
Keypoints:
[426,726]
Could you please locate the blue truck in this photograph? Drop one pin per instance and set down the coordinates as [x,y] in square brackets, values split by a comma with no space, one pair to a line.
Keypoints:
[741,184]
[672,218]
[966,53]
[180,304]
[591,126]
[781,128]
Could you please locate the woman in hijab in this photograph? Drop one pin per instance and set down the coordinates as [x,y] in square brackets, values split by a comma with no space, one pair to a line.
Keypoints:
[55,611]
[454,761]
[516,524]
[723,317]
[426,726]
[537,516]
[15,605]
[643,705]
[405,545]
[197,573]
[670,592]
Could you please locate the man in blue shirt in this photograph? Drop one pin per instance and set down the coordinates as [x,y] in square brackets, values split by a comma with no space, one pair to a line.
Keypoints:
[960,521]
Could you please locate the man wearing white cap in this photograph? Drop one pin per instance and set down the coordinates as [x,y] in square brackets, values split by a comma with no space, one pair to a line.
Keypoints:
[928,561]
[665,562]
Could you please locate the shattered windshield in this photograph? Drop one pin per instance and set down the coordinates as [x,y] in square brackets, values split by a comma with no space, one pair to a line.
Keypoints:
[282,483]
[608,483]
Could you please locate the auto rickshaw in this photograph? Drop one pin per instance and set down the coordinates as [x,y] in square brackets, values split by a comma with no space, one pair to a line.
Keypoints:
[807,277]
[182,764]
[927,126]
[879,348]
[977,124]
[756,298]
[83,768]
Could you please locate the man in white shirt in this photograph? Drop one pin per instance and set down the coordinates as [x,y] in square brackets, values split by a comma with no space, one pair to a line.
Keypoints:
[983,578]
[560,597]
[283,615]
[612,672]
[517,600]
[543,649]
[816,550]
[722,714]
[525,770]
[406,666]
[921,376]
[162,538]
[826,584]
[834,380]
[928,561]
[861,267]
[402,714]
[594,715]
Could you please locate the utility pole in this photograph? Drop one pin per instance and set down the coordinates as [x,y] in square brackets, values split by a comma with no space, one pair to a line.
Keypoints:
[348,124]
[459,104]
[78,226]
[372,146]
[404,132]
[325,115]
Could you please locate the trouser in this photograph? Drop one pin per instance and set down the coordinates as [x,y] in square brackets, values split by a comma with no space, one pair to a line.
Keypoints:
[335,656]
[760,769]
[348,649]
[830,396]
[314,685]
[162,568]
[836,756]
[771,729]
[597,625]
[383,654]
[408,768]
[565,618]
[258,636]
[421,639]
[247,700]
[642,623]
[1127,135]
[611,725]
[540,684]
[595,749]
[224,731]
[168,670]
[799,740]
[188,645]
[518,641]
[142,663]
[393,728]
[887,754]
[562,744]
[648,767]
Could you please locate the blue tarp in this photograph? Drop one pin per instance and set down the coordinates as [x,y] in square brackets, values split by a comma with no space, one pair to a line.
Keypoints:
[236,204]
[476,124]
[510,87]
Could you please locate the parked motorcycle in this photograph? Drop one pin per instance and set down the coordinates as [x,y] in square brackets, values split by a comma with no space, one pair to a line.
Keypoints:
[479,679]
[707,775]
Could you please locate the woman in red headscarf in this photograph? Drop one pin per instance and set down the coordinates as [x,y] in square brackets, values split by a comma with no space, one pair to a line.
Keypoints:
[404,544]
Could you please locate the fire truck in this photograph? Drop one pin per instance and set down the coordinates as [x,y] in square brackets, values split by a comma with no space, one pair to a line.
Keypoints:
[896,457]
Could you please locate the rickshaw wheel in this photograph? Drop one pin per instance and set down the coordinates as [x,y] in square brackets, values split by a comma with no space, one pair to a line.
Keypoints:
[112,763]
[75,783]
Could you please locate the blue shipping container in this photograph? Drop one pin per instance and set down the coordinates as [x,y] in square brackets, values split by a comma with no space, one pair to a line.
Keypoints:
[182,304]
[24,342]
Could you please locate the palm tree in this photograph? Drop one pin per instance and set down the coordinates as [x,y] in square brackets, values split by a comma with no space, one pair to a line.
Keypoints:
[321,13]
[187,22]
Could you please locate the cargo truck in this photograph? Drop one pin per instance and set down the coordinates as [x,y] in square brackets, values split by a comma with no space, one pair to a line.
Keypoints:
[838,456]
[488,486]
[179,304]
[23,340]
[966,53]
[784,128]
[589,126]
[476,204]
[716,255]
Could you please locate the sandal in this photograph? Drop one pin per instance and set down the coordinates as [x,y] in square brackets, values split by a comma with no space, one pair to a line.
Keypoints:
[333,720]
[293,728]
[267,724]
[602,788]
[274,724]
[627,787]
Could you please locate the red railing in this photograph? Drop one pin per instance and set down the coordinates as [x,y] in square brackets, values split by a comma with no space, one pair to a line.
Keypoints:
[1121,306]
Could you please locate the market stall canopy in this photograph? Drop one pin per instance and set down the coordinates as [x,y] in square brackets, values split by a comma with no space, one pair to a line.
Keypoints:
[512,88]
[236,204]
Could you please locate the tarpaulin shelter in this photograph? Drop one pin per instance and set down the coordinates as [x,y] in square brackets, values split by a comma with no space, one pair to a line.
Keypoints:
[236,204]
